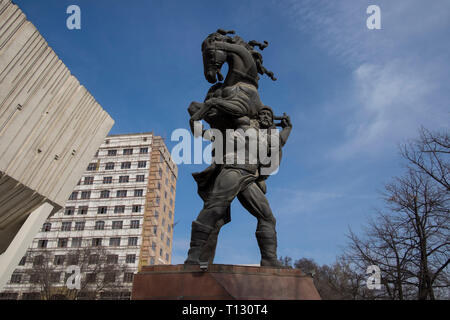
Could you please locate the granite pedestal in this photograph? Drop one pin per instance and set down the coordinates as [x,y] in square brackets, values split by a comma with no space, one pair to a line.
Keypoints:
[222,282]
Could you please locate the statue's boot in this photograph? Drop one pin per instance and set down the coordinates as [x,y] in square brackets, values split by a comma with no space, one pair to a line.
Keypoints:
[267,242]
[199,237]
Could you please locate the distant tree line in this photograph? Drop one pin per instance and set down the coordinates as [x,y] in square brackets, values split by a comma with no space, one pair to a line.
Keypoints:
[409,240]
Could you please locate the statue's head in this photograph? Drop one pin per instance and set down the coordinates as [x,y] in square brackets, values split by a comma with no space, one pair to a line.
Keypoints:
[265,117]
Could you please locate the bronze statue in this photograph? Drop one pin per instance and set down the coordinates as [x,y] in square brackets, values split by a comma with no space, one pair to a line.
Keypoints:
[235,104]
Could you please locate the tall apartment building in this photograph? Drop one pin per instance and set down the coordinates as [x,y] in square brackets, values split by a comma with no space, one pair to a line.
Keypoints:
[123,204]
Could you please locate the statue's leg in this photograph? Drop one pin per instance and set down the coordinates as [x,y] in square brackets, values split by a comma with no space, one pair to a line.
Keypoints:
[255,201]
[205,229]
[204,235]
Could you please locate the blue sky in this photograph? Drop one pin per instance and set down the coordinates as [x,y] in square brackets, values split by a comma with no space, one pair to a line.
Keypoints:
[353,95]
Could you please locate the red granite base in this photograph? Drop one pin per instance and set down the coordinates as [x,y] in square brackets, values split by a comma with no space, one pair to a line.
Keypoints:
[222,282]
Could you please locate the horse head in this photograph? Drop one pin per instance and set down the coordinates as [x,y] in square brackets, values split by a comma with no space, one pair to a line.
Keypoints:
[243,60]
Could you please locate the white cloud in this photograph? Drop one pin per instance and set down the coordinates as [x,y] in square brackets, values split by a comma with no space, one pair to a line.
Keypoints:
[391,101]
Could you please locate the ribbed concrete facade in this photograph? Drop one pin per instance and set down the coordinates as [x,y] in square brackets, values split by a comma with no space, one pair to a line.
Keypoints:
[50,128]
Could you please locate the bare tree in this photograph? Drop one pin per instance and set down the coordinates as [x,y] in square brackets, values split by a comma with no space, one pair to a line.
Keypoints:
[99,271]
[335,282]
[410,242]
[430,154]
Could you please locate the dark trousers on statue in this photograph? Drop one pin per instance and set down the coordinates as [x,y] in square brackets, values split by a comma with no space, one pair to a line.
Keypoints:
[215,214]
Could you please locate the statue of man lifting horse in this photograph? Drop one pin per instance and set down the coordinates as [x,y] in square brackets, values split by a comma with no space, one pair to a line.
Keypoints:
[235,104]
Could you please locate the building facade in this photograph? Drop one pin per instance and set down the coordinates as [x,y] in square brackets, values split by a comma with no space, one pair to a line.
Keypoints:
[118,218]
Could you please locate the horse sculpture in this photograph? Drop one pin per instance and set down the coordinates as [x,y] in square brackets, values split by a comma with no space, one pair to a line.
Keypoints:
[233,104]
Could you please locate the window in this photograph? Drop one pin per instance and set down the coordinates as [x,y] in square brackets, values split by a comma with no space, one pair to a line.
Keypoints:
[91,277]
[46,227]
[23,261]
[171,202]
[167,257]
[112,152]
[88,180]
[107,180]
[85,194]
[134,224]
[143,151]
[142,164]
[165,194]
[69,211]
[153,246]
[114,241]
[117,224]
[109,166]
[172,190]
[138,193]
[163,222]
[62,242]
[73,259]
[59,260]
[16,278]
[124,179]
[112,258]
[125,165]
[158,200]
[92,167]
[104,194]
[132,241]
[34,278]
[168,228]
[140,178]
[159,186]
[121,193]
[161,252]
[97,242]
[136,208]
[152,261]
[160,172]
[102,210]
[99,225]
[31,296]
[155,230]
[170,214]
[55,277]
[66,226]
[130,258]
[168,242]
[38,260]
[74,196]
[109,277]
[127,152]
[42,243]
[156,214]
[128,277]
[119,209]
[83,210]
[93,259]
[79,225]
[76,242]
